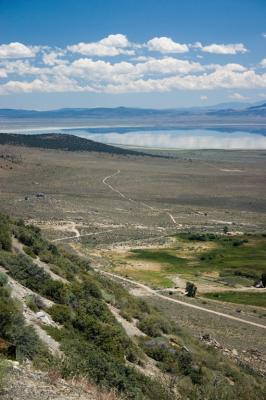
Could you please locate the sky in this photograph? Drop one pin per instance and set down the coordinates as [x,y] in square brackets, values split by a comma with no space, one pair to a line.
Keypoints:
[136,53]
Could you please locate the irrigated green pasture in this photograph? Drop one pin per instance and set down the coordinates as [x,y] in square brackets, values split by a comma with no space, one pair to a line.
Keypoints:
[229,260]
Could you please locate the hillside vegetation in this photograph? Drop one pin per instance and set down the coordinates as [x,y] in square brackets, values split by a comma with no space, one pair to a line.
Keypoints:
[62,142]
[163,363]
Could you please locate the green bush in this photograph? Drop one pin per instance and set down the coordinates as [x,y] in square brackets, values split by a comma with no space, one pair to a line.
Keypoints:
[28,250]
[3,279]
[27,343]
[61,313]
[34,277]
[14,330]
[5,233]
[187,367]
[155,325]
[85,358]
[34,302]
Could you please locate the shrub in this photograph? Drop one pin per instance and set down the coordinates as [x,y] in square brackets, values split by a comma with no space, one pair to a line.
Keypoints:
[34,302]
[154,325]
[5,233]
[55,290]
[3,279]
[61,314]
[86,359]
[201,237]
[14,330]
[34,277]
[88,288]
[28,250]
[187,367]
[27,342]
[225,229]
[238,242]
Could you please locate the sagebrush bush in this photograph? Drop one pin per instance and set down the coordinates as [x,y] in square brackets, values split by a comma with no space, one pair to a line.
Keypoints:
[3,279]
[155,325]
[14,330]
[5,233]
[34,302]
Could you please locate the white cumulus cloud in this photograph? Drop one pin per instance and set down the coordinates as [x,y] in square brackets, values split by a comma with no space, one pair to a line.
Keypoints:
[53,58]
[66,70]
[166,45]
[17,50]
[112,45]
[214,48]
[263,63]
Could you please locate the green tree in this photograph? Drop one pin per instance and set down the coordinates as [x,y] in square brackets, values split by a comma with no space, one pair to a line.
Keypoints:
[191,289]
[225,229]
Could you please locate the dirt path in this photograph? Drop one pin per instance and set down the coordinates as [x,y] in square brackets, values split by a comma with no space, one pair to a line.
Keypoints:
[150,291]
[79,236]
[47,269]
[104,181]
[129,327]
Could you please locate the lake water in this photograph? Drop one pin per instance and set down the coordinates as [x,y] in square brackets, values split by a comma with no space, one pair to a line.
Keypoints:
[181,138]
[177,138]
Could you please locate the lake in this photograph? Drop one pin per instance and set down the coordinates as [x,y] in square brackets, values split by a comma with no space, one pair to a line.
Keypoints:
[220,137]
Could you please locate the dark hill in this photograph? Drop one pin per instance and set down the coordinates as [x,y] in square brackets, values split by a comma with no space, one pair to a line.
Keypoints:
[63,142]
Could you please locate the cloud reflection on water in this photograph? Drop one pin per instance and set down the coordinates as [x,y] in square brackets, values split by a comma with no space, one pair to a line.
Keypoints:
[190,139]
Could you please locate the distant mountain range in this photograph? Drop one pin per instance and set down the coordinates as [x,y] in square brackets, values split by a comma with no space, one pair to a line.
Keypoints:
[224,108]
[227,112]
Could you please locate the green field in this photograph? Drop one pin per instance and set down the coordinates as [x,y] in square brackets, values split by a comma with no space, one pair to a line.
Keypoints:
[236,260]
[171,262]
[255,298]
[155,279]
[240,256]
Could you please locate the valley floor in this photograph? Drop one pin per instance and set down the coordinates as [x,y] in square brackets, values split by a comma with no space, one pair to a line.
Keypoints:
[104,207]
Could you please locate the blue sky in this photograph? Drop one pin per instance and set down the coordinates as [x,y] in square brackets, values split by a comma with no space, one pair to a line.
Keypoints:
[66,53]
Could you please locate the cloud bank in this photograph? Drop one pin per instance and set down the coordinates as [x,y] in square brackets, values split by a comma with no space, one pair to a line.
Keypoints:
[114,64]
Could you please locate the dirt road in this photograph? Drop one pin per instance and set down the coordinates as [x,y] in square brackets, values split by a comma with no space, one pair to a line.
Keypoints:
[104,181]
[183,303]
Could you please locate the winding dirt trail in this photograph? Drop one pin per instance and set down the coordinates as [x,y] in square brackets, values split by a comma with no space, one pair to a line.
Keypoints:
[104,181]
[183,303]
